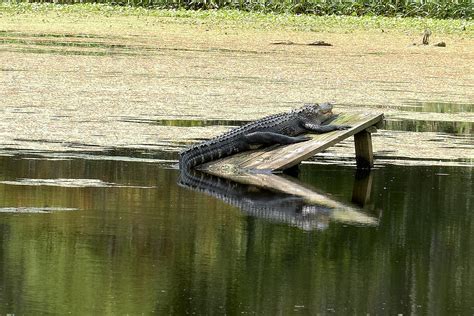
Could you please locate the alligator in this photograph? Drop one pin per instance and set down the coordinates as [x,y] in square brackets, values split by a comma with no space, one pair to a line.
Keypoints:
[272,206]
[283,128]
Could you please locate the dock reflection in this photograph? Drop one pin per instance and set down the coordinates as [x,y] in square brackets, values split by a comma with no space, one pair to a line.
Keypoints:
[277,198]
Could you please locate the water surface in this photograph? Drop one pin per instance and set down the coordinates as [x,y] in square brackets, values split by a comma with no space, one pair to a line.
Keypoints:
[121,237]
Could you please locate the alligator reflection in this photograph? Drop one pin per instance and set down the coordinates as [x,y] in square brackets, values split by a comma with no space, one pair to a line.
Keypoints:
[302,209]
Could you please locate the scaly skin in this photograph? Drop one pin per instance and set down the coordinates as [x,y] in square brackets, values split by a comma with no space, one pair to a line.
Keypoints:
[282,128]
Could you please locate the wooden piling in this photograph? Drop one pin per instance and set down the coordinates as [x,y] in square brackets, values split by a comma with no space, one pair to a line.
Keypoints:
[363,150]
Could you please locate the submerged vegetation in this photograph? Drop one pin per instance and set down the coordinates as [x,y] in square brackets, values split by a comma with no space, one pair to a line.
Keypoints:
[392,8]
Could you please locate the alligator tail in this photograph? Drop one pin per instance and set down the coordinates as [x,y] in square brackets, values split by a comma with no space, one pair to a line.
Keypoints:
[203,153]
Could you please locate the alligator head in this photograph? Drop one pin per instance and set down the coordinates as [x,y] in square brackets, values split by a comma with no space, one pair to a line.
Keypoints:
[316,113]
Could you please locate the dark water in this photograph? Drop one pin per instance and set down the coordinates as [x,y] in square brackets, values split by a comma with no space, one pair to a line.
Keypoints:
[49,43]
[120,237]
[439,107]
[448,127]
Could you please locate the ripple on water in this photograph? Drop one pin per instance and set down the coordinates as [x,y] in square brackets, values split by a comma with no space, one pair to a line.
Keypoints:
[68,183]
[35,210]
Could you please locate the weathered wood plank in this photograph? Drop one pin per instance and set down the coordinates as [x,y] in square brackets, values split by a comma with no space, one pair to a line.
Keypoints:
[277,158]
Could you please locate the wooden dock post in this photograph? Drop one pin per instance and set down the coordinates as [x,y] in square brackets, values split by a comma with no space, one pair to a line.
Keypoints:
[363,149]
[278,158]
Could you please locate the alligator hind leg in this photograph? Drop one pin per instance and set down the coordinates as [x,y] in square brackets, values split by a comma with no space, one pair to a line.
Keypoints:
[269,138]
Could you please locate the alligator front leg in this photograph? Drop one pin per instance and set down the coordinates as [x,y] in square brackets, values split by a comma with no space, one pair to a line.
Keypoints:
[320,129]
[269,138]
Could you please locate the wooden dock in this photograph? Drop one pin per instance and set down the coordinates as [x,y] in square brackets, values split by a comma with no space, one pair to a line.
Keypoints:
[256,167]
[277,158]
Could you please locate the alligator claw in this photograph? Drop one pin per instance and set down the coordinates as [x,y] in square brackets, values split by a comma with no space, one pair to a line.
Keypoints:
[342,127]
[303,138]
